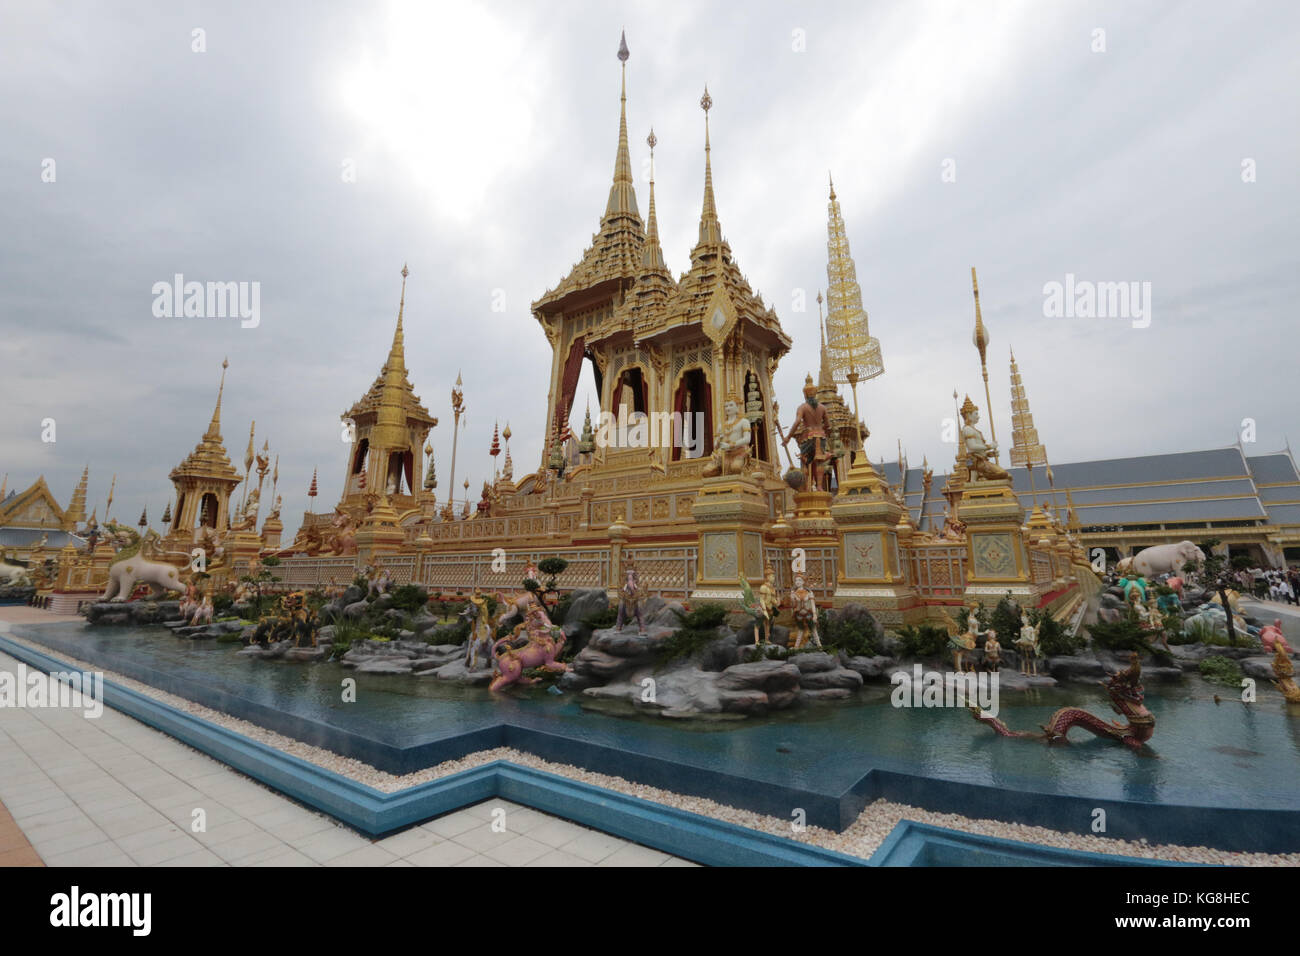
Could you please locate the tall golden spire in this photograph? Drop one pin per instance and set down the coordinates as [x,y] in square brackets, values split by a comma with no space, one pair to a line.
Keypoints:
[390,422]
[853,352]
[214,427]
[622,198]
[652,254]
[710,228]
[75,513]
[1026,449]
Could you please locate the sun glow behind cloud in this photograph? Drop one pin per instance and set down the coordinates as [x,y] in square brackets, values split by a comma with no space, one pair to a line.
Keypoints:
[447,94]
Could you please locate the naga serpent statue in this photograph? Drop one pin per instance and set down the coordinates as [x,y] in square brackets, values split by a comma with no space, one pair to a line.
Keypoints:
[1126,694]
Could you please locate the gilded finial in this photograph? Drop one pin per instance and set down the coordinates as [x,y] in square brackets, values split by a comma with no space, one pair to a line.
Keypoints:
[651,141]
[622,46]
[706,102]
[832,182]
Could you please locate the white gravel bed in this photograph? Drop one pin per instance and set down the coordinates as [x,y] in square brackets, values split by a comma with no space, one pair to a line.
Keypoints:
[862,837]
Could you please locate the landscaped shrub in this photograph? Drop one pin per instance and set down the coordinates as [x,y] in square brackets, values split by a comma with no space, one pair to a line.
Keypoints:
[222,602]
[601,619]
[925,640]
[1221,670]
[1053,639]
[409,597]
[705,617]
[855,636]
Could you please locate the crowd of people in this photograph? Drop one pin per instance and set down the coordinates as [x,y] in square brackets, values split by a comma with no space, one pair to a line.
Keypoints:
[1276,584]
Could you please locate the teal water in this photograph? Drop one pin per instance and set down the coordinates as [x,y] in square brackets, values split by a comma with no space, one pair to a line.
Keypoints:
[1202,754]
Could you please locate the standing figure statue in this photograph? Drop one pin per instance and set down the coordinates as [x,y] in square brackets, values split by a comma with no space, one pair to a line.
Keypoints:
[964,643]
[804,603]
[770,602]
[992,651]
[731,450]
[478,651]
[629,603]
[979,453]
[811,423]
[1027,645]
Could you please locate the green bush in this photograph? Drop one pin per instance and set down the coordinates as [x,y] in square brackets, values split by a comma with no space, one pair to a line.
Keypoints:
[926,640]
[222,602]
[345,633]
[602,619]
[853,636]
[1053,639]
[683,643]
[703,618]
[1221,670]
[1005,619]
[409,597]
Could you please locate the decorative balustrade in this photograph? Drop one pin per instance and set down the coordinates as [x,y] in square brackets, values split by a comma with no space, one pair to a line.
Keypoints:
[669,572]
[938,570]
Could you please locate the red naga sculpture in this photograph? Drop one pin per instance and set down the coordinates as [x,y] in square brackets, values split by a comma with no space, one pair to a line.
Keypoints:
[1126,695]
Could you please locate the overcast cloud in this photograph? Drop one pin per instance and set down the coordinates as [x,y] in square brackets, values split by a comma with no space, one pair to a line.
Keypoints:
[483,140]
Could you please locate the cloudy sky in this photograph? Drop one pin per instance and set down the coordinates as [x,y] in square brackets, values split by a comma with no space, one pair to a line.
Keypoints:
[1116,142]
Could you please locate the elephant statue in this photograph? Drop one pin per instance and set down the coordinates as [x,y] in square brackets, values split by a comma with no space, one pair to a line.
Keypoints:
[125,574]
[1166,559]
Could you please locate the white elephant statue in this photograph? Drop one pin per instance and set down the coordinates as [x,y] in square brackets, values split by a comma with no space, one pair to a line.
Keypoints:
[1165,559]
[13,575]
[125,574]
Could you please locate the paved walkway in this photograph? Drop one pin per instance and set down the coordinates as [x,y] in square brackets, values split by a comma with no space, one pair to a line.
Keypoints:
[112,791]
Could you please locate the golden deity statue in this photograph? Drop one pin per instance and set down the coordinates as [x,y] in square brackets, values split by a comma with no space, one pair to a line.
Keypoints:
[980,454]
[731,450]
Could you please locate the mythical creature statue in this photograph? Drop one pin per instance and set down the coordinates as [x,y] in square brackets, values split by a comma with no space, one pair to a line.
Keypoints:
[296,622]
[1270,635]
[629,603]
[1283,670]
[1126,696]
[964,643]
[763,606]
[545,642]
[479,649]
[804,602]
[731,449]
[131,567]
[343,538]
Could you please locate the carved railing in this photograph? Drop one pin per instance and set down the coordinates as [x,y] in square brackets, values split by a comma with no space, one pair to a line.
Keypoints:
[669,572]
[820,574]
[938,571]
[1040,567]
[303,573]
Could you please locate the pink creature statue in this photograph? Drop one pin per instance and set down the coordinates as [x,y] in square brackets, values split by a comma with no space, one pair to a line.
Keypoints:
[1177,584]
[1271,634]
[545,642]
